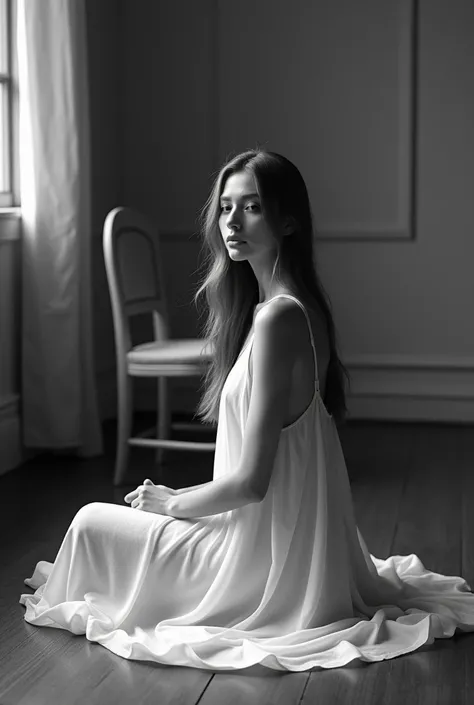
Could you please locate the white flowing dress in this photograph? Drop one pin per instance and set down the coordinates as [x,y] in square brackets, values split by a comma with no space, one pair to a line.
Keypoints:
[287,583]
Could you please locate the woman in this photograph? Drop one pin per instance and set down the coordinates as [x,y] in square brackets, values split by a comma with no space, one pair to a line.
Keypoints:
[264,564]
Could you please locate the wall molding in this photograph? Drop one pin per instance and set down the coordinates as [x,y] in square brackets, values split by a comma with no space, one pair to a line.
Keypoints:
[411,388]
[383,387]
[10,225]
[401,361]
[404,228]
[11,453]
[399,227]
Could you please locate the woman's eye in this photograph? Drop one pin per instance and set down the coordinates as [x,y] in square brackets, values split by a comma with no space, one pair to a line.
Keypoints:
[226,208]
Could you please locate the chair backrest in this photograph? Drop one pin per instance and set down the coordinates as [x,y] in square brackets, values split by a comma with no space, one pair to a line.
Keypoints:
[134,273]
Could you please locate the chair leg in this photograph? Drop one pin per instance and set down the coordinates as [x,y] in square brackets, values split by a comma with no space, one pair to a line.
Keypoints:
[124,425]
[163,424]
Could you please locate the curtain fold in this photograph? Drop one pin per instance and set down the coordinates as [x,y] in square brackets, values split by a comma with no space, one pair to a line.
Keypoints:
[59,399]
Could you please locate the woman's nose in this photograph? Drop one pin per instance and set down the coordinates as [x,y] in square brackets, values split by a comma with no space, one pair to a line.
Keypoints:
[233,222]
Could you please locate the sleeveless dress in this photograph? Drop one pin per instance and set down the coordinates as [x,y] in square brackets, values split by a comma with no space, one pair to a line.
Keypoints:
[287,583]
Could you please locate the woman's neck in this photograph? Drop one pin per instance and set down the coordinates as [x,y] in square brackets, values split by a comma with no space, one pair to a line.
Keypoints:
[264,299]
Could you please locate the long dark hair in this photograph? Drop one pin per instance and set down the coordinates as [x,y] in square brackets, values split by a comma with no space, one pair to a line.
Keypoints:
[231,288]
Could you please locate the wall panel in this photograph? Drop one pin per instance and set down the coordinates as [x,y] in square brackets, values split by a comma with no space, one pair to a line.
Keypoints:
[329,85]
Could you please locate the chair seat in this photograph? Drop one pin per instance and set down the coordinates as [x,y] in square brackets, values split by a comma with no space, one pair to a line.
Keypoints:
[188,351]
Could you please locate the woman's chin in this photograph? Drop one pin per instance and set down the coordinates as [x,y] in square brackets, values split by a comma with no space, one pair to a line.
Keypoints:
[236,255]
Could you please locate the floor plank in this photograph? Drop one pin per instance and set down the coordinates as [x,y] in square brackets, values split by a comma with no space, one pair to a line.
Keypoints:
[262,687]
[379,485]
[465,459]
[434,677]
[87,673]
[412,486]
[430,515]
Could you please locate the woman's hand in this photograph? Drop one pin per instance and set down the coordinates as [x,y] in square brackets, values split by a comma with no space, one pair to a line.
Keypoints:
[151,498]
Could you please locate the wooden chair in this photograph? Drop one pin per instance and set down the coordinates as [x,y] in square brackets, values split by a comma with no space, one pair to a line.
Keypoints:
[133,266]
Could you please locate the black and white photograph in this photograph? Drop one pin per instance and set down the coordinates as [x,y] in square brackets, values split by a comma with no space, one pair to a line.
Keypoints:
[236,352]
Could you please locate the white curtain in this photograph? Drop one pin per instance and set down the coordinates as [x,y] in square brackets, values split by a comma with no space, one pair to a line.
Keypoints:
[59,401]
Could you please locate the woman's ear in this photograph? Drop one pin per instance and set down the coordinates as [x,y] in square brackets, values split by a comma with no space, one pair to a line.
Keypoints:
[289,226]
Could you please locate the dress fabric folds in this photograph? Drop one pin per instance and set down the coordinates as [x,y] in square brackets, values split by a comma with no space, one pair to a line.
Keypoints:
[287,583]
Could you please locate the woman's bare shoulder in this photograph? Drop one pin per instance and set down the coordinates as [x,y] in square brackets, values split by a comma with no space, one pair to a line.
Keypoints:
[280,309]
[282,319]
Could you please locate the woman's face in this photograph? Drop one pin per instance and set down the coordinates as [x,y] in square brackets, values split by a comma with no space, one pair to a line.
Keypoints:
[245,232]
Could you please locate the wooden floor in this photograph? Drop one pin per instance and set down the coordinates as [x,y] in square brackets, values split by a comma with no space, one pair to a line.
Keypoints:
[413,489]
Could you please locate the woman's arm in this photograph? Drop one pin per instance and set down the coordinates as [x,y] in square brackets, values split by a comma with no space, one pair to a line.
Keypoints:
[276,340]
[221,495]
[183,490]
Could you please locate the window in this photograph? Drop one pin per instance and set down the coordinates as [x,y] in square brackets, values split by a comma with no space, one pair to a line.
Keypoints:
[9,191]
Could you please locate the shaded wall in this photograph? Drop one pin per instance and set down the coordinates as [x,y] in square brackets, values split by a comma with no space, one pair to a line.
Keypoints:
[373,102]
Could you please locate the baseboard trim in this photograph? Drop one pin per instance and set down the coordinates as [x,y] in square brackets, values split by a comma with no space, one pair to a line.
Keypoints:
[410,409]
